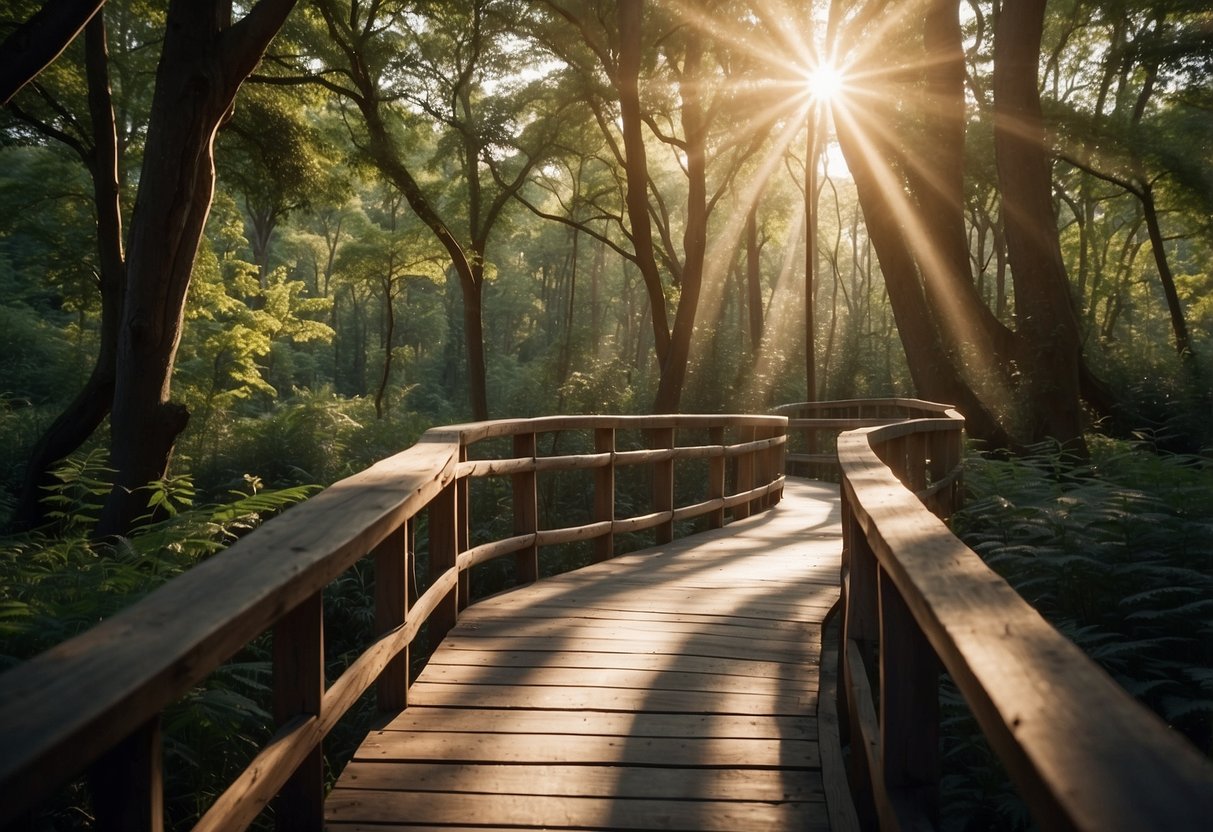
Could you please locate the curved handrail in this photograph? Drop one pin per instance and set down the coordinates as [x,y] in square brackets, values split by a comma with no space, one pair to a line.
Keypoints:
[95,700]
[1082,752]
[813,427]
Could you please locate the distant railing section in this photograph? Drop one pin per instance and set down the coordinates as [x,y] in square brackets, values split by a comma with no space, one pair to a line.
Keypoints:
[94,702]
[916,601]
[814,427]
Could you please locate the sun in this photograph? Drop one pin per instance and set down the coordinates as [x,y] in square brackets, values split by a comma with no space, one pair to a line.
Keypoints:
[824,83]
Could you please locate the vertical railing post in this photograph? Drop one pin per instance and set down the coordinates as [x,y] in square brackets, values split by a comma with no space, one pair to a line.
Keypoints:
[762,469]
[776,462]
[860,628]
[298,662]
[663,482]
[745,472]
[526,510]
[604,493]
[393,557]
[954,456]
[127,783]
[917,448]
[463,527]
[909,714]
[443,551]
[716,477]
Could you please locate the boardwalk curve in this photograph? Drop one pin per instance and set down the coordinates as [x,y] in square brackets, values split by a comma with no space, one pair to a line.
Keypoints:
[674,689]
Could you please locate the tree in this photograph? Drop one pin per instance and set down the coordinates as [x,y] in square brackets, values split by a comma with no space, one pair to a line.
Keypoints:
[204,60]
[33,45]
[93,135]
[1048,326]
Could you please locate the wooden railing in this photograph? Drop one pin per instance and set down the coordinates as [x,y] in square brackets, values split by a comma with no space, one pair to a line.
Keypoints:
[94,703]
[814,427]
[1082,753]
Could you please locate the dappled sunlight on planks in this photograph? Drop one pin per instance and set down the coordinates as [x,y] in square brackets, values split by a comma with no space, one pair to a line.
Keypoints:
[674,688]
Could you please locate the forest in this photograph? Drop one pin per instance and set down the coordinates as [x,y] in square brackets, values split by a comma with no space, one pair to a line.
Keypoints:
[248,249]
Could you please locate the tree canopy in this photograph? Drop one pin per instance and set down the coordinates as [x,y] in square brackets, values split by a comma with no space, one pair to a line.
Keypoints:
[430,211]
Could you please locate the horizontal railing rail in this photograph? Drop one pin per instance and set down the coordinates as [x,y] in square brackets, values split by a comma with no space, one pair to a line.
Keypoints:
[94,703]
[916,601]
[813,428]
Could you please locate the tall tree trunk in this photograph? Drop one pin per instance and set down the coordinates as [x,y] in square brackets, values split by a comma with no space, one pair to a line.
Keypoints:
[81,418]
[1048,327]
[203,62]
[934,374]
[753,281]
[695,235]
[936,177]
[1179,326]
[810,257]
[631,17]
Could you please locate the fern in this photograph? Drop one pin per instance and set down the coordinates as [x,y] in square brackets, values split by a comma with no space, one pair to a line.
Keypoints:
[1116,553]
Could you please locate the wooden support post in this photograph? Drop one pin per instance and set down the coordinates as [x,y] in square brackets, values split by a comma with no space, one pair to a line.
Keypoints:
[745,473]
[917,449]
[762,473]
[716,478]
[463,530]
[663,482]
[127,783]
[444,541]
[393,558]
[954,455]
[860,628]
[526,510]
[909,713]
[298,661]
[604,493]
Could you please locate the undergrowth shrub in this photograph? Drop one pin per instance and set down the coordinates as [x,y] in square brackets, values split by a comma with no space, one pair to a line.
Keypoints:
[58,581]
[1117,553]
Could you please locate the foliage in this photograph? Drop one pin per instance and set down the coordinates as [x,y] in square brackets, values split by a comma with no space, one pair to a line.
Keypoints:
[57,582]
[1115,553]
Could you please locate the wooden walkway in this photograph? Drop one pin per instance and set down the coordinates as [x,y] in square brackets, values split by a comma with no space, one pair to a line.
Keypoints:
[669,689]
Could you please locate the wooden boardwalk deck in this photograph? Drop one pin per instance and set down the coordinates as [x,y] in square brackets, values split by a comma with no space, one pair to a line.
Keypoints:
[669,689]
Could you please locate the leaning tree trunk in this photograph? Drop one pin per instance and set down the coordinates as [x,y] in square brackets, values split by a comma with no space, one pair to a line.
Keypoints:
[203,63]
[694,238]
[934,374]
[81,418]
[1050,342]
[631,15]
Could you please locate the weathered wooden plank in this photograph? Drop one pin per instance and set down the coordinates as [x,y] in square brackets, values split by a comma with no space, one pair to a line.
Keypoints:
[611,699]
[670,631]
[561,612]
[711,648]
[619,781]
[756,726]
[797,672]
[712,752]
[530,811]
[609,677]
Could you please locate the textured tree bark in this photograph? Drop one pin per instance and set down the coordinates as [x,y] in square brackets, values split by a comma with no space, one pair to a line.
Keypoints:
[936,177]
[81,418]
[934,374]
[32,46]
[1048,328]
[753,282]
[694,238]
[203,62]
[627,84]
